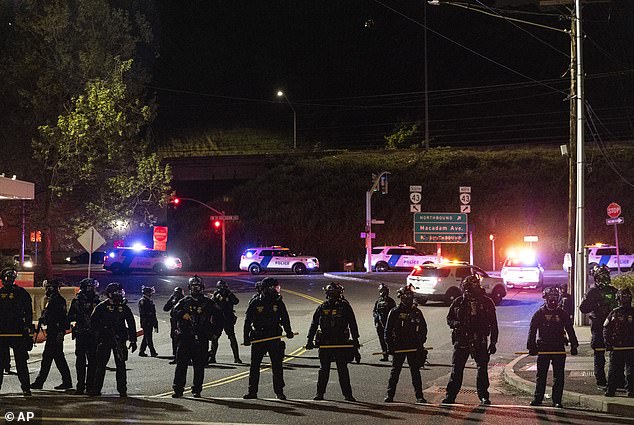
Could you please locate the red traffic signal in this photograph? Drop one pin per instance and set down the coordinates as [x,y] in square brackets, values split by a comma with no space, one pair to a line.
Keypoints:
[217,224]
[176,201]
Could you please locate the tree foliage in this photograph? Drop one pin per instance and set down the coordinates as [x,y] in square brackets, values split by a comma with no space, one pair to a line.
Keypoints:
[402,136]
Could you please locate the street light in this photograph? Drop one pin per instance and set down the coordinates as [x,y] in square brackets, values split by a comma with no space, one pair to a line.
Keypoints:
[221,213]
[280,93]
[492,239]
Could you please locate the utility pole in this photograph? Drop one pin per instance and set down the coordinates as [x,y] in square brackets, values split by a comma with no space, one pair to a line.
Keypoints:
[426,87]
[382,177]
[572,155]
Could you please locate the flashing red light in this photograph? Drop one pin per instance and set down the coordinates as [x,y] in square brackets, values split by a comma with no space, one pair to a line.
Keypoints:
[176,201]
[217,224]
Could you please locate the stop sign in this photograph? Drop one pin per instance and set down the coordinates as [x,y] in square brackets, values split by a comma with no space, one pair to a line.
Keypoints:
[160,233]
[614,210]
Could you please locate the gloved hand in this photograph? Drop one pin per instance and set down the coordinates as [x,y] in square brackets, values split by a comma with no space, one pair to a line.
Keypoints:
[247,342]
[355,343]
[573,350]
[133,346]
[310,344]
[290,335]
[492,349]
[186,316]
[532,351]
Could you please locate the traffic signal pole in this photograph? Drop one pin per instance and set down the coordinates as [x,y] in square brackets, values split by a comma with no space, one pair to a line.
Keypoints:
[368,216]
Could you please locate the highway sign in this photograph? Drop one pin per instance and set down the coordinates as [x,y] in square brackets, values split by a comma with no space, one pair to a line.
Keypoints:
[618,220]
[465,209]
[415,208]
[440,228]
[416,188]
[614,210]
[225,217]
[465,198]
[375,221]
[465,189]
[415,197]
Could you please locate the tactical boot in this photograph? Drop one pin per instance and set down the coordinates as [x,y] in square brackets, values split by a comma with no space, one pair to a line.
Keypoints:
[249,396]
[448,400]
[318,397]
[64,386]
[36,385]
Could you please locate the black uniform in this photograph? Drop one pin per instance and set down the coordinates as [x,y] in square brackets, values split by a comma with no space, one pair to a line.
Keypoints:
[382,308]
[113,325]
[169,305]
[198,319]
[597,304]
[546,333]
[337,324]
[56,320]
[225,299]
[472,320]
[619,332]
[265,317]
[16,317]
[80,310]
[567,304]
[406,329]
[149,323]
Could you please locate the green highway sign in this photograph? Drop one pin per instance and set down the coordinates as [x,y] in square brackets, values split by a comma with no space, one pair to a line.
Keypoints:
[441,228]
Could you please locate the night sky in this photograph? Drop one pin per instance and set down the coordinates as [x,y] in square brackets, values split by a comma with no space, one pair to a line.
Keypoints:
[354,68]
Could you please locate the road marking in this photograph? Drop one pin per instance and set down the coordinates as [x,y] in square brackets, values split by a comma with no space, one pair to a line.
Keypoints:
[308,297]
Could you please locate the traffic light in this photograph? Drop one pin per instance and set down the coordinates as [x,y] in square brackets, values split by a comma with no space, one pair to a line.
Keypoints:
[217,225]
[174,201]
[383,184]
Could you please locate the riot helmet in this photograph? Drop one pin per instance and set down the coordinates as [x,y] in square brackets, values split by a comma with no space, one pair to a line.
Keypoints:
[147,290]
[471,286]
[115,292]
[624,297]
[406,295]
[270,286]
[551,297]
[602,277]
[178,290]
[563,288]
[334,291]
[384,290]
[221,284]
[51,286]
[8,276]
[195,285]
[88,284]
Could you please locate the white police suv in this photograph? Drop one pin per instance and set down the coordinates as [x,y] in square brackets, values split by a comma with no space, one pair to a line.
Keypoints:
[523,270]
[126,260]
[277,258]
[603,254]
[441,282]
[399,257]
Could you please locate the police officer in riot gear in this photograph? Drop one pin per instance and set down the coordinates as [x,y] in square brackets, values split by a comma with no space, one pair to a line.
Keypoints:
[546,334]
[597,304]
[566,302]
[81,307]
[198,319]
[266,316]
[177,295]
[618,332]
[334,324]
[382,308]
[226,299]
[113,325]
[472,319]
[406,330]
[149,322]
[16,316]
[55,319]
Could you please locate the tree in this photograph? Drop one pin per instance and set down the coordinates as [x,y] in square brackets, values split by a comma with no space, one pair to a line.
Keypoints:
[403,133]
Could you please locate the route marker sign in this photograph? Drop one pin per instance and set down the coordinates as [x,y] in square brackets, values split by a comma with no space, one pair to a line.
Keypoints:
[441,228]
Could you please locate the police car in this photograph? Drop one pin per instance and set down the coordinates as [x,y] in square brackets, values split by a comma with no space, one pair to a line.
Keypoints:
[523,270]
[126,260]
[441,282]
[603,254]
[399,257]
[276,258]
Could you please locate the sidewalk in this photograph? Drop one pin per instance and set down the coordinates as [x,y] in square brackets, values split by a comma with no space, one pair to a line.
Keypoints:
[580,385]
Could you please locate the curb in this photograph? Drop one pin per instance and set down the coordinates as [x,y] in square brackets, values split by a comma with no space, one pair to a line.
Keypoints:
[596,403]
[349,278]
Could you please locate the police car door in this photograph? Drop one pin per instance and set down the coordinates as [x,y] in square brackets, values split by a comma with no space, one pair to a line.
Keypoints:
[281,260]
[140,260]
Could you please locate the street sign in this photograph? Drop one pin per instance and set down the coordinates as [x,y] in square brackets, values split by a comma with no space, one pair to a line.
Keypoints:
[416,188]
[225,217]
[531,238]
[465,209]
[415,197]
[415,208]
[91,240]
[160,238]
[465,198]
[365,235]
[375,221]
[440,228]
[465,189]
[618,220]
[614,210]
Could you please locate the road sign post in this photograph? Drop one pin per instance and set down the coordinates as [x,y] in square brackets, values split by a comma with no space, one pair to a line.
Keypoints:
[464,195]
[614,212]
[91,240]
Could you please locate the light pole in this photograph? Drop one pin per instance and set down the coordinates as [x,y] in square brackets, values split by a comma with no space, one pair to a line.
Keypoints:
[220,213]
[280,93]
[492,239]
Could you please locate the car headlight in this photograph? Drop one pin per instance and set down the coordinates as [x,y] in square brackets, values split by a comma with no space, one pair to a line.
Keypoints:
[27,264]
[67,259]
[170,262]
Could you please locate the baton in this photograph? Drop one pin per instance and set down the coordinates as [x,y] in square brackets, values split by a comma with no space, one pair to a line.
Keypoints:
[10,335]
[271,338]
[337,346]
[410,350]
[615,349]
[543,352]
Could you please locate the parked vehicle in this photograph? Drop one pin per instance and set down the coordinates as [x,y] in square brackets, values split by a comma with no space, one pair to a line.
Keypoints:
[127,260]
[277,258]
[399,257]
[523,270]
[96,258]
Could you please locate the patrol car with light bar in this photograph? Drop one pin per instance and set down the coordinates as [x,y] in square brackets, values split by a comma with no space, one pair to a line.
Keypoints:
[605,255]
[398,257]
[277,258]
[523,270]
[129,259]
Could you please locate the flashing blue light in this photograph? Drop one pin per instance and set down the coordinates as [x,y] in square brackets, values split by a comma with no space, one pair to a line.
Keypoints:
[138,246]
[111,255]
